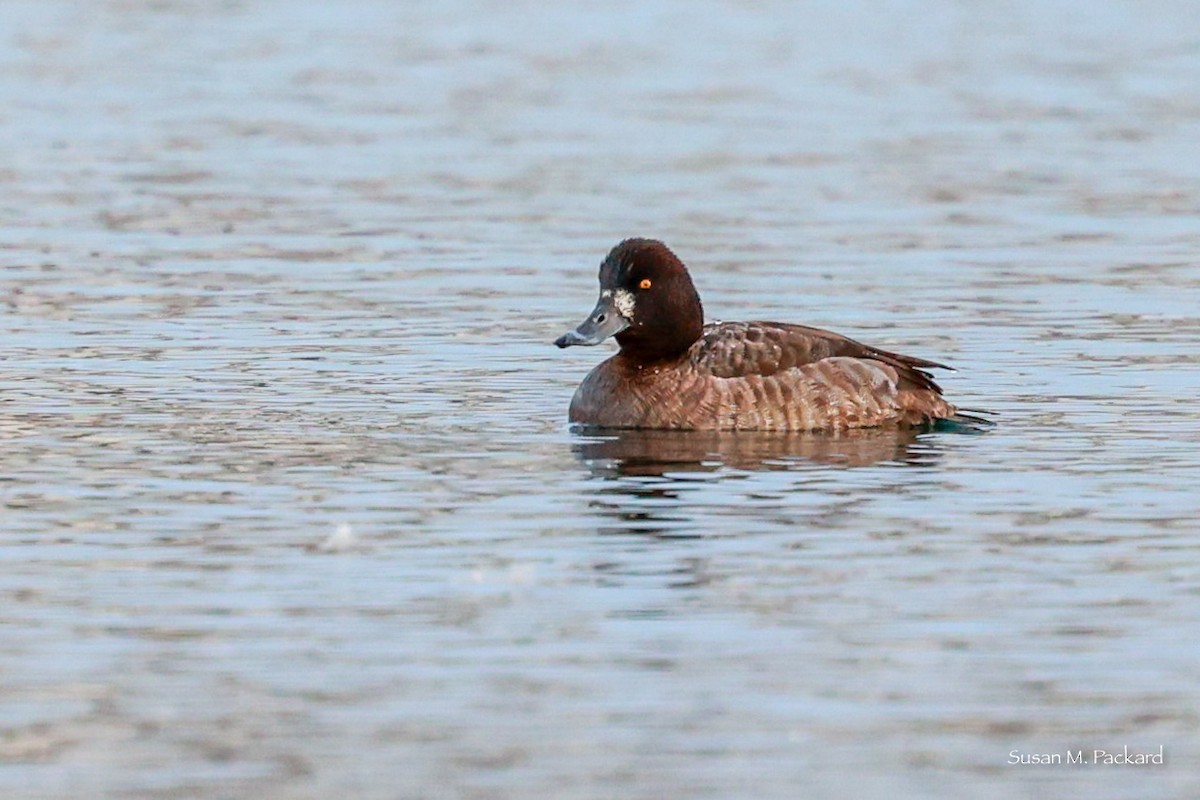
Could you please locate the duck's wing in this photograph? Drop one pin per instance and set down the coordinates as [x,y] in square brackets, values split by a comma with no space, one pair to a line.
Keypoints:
[743,349]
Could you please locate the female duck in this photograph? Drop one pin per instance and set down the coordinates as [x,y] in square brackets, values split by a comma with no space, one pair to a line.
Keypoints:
[673,371]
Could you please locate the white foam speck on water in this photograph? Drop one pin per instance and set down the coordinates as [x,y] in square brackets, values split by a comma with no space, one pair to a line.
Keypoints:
[524,574]
[341,540]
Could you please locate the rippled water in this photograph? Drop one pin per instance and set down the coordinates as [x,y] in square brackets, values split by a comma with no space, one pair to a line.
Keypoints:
[290,507]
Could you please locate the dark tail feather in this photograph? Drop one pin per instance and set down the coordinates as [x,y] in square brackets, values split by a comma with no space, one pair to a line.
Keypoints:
[965,420]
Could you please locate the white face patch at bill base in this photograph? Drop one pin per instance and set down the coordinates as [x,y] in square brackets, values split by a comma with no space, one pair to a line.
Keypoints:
[623,300]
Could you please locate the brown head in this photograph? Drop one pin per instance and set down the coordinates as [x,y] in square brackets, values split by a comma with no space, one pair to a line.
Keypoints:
[647,300]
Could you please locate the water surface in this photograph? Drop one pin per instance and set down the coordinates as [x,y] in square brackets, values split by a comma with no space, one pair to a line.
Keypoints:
[290,507]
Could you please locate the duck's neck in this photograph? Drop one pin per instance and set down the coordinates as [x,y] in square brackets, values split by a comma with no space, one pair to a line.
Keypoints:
[642,353]
[655,342]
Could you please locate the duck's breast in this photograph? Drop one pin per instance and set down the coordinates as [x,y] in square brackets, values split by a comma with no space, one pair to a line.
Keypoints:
[620,394]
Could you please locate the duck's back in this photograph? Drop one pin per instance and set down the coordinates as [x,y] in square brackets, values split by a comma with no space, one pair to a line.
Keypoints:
[764,376]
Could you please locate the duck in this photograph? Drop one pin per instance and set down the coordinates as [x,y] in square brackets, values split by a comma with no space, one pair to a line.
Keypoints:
[674,372]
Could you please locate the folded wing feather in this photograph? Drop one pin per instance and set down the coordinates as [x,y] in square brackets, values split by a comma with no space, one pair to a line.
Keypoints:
[742,349]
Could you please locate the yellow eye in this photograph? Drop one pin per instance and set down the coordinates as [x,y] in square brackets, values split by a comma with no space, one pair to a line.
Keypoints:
[646,283]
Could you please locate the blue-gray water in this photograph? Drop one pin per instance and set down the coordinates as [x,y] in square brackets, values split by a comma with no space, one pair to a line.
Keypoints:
[289,505]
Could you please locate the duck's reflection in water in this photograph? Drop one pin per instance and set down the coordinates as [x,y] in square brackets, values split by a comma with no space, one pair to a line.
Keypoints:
[649,480]
[655,453]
